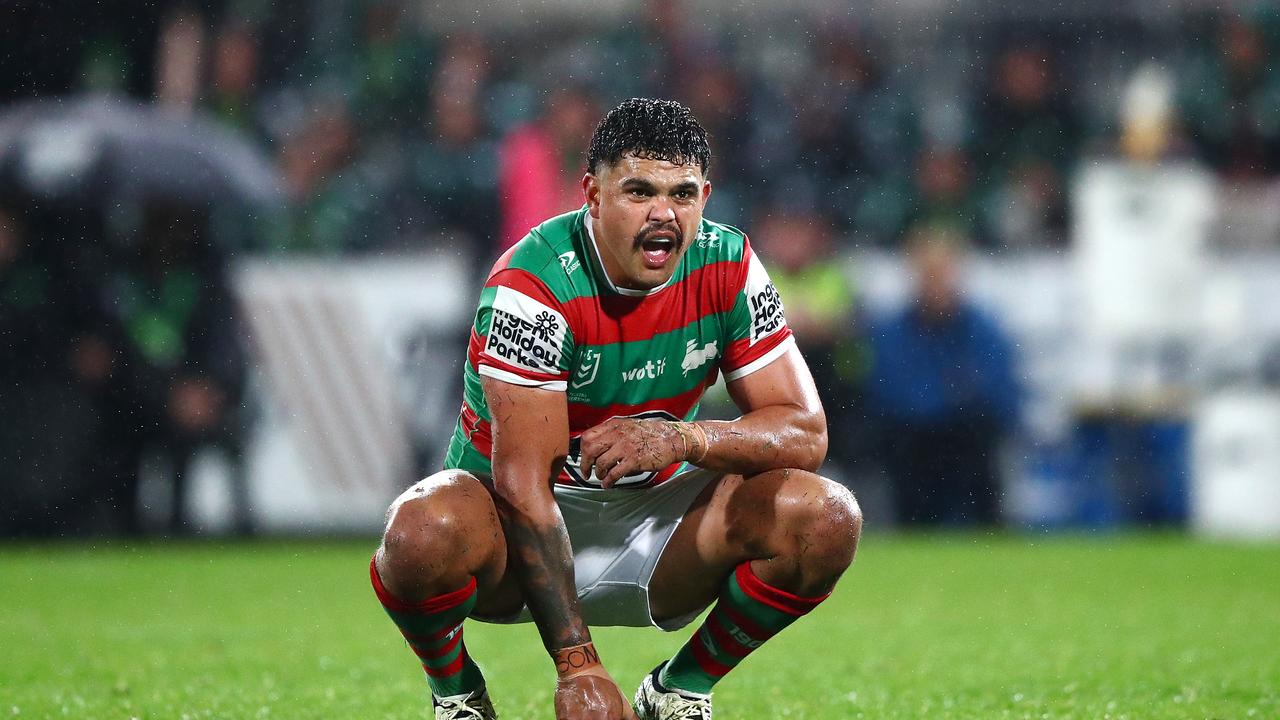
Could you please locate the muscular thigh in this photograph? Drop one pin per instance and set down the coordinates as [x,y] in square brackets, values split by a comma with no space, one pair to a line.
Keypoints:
[734,520]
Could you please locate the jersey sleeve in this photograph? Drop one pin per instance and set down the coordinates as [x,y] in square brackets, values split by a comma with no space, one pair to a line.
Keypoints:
[521,333]
[757,326]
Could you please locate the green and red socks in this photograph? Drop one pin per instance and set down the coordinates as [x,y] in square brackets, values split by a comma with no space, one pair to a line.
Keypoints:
[748,613]
[433,629]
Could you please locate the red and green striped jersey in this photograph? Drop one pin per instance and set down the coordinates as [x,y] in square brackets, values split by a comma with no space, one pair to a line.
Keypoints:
[550,317]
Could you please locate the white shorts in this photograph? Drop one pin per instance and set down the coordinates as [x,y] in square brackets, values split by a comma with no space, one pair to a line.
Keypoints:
[617,536]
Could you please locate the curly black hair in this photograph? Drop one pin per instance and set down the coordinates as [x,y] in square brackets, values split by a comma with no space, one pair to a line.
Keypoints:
[650,129]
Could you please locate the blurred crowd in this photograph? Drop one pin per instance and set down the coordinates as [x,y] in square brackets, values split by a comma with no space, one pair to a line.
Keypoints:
[386,132]
[386,135]
[482,134]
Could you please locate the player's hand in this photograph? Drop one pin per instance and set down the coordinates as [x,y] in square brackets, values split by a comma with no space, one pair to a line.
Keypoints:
[591,696]
[620,447]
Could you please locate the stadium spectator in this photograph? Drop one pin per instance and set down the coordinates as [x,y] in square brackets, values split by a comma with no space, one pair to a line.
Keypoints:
[539,168]
[944,193]
[943,386]
[822,311]
[715,93]
[23,292]
[1027,126]
[387,70]
[828,109]
[233,77]
[663,44]
[59,368]
[454,159]
[837,126]
[183,366]
[1140,287]
[180,60]
[28,327]
[1231,100]
[316,167]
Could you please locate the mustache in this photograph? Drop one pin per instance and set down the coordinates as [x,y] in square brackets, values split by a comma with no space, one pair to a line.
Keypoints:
[651,230]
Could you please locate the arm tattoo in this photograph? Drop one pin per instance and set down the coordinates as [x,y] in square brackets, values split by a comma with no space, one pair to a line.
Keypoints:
[573,661]
[544,566]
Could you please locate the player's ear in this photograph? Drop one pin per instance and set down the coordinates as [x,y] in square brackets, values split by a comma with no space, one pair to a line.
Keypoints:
[706,191]
[591,193]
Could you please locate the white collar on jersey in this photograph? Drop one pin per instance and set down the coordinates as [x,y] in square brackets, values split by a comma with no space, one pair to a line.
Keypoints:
[591,235]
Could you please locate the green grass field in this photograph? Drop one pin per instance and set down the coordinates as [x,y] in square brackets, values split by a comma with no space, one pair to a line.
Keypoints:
[922,627]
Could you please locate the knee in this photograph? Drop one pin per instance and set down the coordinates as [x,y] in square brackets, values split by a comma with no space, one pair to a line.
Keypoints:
[822,521]
[435,530]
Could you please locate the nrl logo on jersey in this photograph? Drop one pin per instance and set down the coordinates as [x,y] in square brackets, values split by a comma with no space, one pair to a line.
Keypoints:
[695,357]
[587,368]
[708,239]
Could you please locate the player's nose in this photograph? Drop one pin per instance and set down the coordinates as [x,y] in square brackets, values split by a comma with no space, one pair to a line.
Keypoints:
[662,211]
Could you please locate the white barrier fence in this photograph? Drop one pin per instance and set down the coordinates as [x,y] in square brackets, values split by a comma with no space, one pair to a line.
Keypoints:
[357,363]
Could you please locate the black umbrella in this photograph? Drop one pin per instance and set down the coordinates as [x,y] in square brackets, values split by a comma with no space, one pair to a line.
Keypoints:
[108,148]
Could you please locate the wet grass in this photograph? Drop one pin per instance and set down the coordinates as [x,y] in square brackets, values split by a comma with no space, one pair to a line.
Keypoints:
[1119,626]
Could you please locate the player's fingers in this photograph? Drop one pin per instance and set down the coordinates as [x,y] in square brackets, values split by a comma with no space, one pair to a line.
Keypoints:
[585,465]
[617,436]
[588,453]
[612,476]
[612,466]
[595,440]
[605,470]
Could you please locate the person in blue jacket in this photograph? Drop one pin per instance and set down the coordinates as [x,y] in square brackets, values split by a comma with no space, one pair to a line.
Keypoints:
[943,389]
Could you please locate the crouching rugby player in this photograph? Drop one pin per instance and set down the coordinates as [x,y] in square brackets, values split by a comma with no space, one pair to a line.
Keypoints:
[579,489]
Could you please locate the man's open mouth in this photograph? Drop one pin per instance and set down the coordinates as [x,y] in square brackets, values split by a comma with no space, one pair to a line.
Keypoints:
[657,247]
